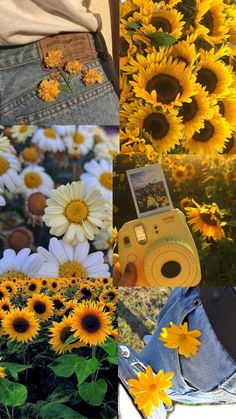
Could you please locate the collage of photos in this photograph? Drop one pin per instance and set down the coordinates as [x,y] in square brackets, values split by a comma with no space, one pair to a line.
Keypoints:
[117,209]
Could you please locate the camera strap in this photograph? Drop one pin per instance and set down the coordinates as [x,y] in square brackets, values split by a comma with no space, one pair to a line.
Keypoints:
[220,306]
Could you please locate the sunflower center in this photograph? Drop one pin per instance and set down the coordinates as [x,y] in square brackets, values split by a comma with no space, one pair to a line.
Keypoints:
[50,133]
[161,23]
[166,86]
[37,204]
[72,269]
[33,180]
[179,173]
[106,180]
[23,129]
[78,138]
[20,325]
[5,307]
[58,304]
[205,134]
[4,165]
[86,292]
[54,284]
[208,22]
[207,79]
[15,275]
[111,295]
[30,154]
[182,59]
[229,145]
[39,307]
[91,323]
[68,312]
[76,212]
[189,110]
[206,218]
[124,46]
[1,295]
[32,287]
[221,108]
[65,334]
[157,125]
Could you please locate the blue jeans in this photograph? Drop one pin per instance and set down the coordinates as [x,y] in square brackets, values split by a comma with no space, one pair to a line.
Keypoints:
[20,74]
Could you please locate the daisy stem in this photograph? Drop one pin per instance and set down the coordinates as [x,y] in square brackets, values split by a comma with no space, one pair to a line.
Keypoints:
[74,166]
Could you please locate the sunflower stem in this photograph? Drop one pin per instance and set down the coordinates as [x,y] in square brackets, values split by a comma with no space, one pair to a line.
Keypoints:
[7,411]
[94,351]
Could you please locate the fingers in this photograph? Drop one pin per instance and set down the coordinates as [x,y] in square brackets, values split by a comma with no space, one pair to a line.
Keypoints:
[128,279]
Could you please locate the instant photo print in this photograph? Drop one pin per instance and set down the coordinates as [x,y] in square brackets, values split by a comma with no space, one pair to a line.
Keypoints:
[159,242]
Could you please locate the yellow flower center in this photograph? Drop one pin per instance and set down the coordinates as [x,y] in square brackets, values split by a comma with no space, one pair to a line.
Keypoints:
[182,338]
[15,275]
[4,166]
[106,180]
[76,212]
[23,129]
[30,153]
[153,387]
[33,180]
[50,133]
[78,138]
[72,269]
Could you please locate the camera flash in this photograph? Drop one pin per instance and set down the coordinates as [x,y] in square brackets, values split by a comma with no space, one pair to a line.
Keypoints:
[140,234]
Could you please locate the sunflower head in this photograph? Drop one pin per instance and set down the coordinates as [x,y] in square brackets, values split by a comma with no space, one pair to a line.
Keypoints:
[60,332]
[33,286]
[21,325]
[109,295]
[41,305]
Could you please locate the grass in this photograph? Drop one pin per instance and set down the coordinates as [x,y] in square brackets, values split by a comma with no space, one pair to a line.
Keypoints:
[138,310]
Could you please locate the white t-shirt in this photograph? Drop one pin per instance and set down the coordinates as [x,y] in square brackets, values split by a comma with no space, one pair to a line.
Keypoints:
[25,21]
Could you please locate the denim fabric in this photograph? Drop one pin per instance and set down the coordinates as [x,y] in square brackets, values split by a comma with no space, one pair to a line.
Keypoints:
[20,75]
[208,377]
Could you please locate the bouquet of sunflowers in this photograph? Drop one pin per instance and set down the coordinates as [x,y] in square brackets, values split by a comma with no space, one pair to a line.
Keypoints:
[58,350]
[178,85]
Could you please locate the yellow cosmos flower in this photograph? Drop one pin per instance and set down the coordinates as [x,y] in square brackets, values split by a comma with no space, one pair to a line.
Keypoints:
[179,337]
[92,76]
[149,389]
[48,90]
[73,67]
[166,84]
[60,332]
[21,325]
[53,58]
[207,219]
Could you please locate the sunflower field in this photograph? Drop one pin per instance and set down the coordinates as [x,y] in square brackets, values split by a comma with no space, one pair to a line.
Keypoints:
[58,348]
[178,84]
[204,189]
[55,201]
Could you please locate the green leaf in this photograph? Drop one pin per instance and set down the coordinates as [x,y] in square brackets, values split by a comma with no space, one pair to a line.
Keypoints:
[161,39]
[113,360]
[65,365]
[133,25]
[85,368]
[70,339]
[12,394]
[93,393]
[14,369]
[65,88]
[59,411]
[110,347]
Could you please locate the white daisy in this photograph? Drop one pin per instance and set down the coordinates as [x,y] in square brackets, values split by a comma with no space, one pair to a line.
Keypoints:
[80,140]
[21,265]
[2,200]
[99,175]
[34,179]
[5,145]
[65,261]
[21,132]
[74,212]
[9,168]
[48,140]
[108,215]
[103,240]
[107,149]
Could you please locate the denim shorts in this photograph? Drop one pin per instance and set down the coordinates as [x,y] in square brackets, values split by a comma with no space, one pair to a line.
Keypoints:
[208,377]
[21,72]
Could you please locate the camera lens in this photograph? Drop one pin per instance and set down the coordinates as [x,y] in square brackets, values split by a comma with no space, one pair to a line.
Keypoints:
[171,269]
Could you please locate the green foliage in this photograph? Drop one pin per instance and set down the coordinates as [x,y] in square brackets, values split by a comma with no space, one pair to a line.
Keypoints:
[59,411]
[93,393]
[12,394]
[14,369]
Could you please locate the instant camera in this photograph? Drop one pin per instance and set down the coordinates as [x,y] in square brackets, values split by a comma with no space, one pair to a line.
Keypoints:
[159,242]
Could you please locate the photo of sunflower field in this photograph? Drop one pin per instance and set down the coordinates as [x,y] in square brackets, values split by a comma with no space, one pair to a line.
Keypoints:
[204,189]
[56,201]
[178,83]
[58,348]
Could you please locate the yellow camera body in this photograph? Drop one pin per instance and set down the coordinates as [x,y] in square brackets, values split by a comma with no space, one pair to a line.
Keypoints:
[163,250]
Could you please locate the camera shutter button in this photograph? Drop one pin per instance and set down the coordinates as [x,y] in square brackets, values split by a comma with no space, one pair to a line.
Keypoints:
[132,258]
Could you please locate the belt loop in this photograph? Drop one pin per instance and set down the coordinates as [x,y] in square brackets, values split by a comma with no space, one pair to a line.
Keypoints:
[101,47]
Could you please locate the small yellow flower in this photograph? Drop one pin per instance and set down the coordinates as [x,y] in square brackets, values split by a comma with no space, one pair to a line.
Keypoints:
[92,76]
[53,58]
[73,67]
[2,372]
[48,90]
[179,337]
[149,389]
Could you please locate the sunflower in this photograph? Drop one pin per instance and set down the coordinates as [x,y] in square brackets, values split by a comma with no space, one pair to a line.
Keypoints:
[127,9]
[41,305]
[109,295]
[149,389]
[33,286]
[114,333]
[21,325]
[108,307]
[90,323]
[179,174]
[184,51]
[179,337]
[2,372]
[167,84]
[2,317]
[214,20]
[186,202]
[4,293]
[5,304]
[54,284]
[227,108]
[125,89]
[86,291]
[69,308]
[60,332]
[103,281]
[230,147]
[59,302]
[195,112]
[215,76]
[127,46]
[210,139]
[164,130]
[207,220]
